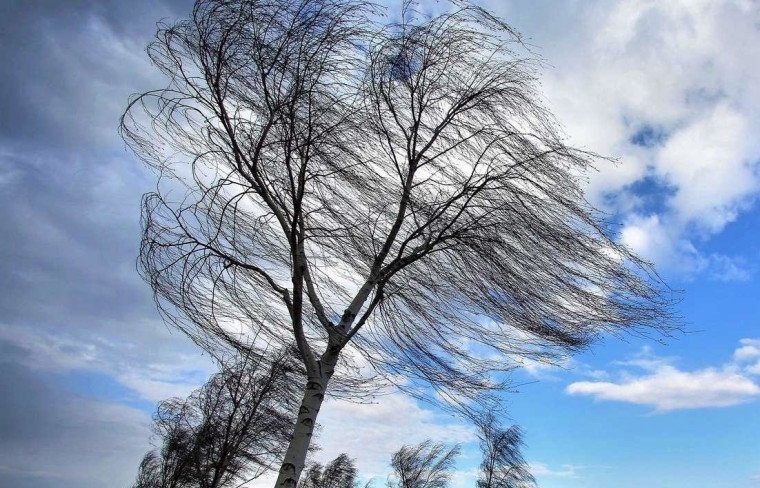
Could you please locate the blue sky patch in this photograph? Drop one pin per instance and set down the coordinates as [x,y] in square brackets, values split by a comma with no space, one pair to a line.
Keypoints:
[648,136]
[651,193]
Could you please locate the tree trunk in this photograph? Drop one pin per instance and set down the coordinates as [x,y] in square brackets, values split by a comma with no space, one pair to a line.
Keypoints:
[295,457]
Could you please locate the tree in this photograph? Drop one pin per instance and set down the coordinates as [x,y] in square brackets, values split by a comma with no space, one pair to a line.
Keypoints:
[425,465]
[503,465]
[338,473]
[153,474]
[388,191]
[231,430]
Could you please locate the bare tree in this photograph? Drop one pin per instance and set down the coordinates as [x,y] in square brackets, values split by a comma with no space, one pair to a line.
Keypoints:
[387,192]
[503,465]
[152,473]
[426,465]
[338,473]
[232,430]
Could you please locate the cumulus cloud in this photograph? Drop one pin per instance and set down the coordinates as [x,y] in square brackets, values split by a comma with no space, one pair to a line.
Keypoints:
[710,162]
[664,87]
[664,387]
[748,356]
[750,349]
[661,240]
[671,389]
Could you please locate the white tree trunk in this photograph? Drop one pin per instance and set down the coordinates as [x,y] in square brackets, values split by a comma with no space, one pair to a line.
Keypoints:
[295,457]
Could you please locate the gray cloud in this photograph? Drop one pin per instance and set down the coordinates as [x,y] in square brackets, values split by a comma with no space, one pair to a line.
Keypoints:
[70,297]
[69,192]
[50,437]
[69,67]
[71,232]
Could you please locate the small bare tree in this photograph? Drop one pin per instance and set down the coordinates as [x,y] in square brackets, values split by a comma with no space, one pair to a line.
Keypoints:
[232,430]
[338,473]
[392,192]
[426,465]
[156,471]
[503,465]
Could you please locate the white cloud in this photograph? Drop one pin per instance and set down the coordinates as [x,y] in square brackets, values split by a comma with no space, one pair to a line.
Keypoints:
[748,356]
[370,433]
[464,478]
[565,471]
[666,388]
[545,370]
[680,69]
[754,369]
[373,431]
[709,162]
[648,236]
[671,389]
[660,239]
[749,350]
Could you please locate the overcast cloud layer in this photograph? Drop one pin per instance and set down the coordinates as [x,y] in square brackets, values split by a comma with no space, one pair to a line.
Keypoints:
[78,329]
[670,88]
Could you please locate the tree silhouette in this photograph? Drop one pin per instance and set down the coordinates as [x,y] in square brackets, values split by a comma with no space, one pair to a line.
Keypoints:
[233,429]
[390,195]
[503,465]
[338,473]
[426,465]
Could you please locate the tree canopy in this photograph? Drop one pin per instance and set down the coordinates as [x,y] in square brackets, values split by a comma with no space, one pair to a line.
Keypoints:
[233,429]
[383,191]
[503,465]
[425,465]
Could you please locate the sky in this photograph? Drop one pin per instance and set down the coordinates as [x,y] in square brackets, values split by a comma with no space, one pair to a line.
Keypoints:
[670,89]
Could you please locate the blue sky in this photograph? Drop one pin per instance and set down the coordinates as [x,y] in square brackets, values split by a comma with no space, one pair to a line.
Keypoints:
[670,89]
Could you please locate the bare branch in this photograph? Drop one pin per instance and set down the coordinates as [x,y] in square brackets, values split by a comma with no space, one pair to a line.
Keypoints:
[331,179]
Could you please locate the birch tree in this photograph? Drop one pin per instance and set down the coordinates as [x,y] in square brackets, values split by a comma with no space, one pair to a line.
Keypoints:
[503,465]
[383,190]
[228,432]
[339,473]
[426,465]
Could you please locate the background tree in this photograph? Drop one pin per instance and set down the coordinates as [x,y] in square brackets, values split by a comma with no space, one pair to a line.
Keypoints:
[391,189]
[503,465]
[426,465]
[232,430]
[156,472]
[338,473]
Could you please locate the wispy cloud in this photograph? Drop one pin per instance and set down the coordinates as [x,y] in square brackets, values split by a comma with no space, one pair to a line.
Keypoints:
[170,373]
[565,471]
